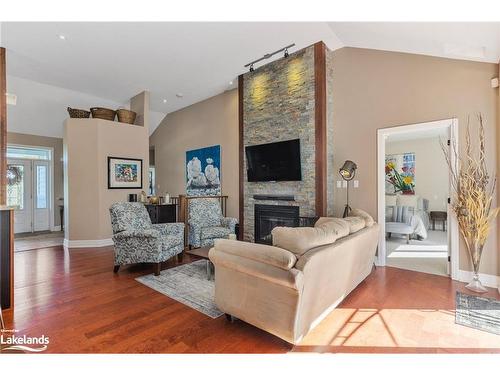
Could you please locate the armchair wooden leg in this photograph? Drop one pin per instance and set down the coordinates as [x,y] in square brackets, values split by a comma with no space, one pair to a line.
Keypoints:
[180,257]
[157,268]
[115,269]
[229,318]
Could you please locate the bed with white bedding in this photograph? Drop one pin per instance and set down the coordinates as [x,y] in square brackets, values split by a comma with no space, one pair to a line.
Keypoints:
[408,215]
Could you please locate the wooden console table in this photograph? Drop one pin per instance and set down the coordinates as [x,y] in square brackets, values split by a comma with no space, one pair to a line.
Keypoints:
[162,213]
[441,216]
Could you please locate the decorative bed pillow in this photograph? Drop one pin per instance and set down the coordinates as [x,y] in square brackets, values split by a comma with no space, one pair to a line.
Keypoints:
[357,212]
[402,214]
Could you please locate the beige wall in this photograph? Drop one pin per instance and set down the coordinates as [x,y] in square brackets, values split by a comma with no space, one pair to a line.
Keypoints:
[57,145]
[378,89]
[87,145]
[211,122]
[431,170]
[371,90]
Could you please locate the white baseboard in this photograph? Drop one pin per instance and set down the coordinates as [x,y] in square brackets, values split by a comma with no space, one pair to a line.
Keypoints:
[491,281]
[56,228]
[87,243]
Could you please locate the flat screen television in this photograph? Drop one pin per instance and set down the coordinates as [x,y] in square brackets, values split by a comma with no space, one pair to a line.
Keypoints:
[278,161]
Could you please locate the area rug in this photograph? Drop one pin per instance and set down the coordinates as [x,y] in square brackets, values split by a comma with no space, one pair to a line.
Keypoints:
[478,312]
[186,284]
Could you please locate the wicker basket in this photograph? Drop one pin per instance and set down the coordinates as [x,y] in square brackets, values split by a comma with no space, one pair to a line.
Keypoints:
[126,116]
[103,113]
[78,113]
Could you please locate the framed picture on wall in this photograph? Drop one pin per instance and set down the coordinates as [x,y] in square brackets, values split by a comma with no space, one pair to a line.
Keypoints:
[203,171]
[124,173]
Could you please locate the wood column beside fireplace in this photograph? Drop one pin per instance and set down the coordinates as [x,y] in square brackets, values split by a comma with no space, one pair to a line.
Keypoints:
[320,127]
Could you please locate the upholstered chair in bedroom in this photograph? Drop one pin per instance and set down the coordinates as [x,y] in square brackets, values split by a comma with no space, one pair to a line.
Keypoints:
[206,222]
[137,240]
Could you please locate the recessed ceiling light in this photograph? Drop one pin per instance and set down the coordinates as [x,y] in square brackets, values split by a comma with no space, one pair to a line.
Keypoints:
[62,37]
[230,82]
[164,100]
[179,95]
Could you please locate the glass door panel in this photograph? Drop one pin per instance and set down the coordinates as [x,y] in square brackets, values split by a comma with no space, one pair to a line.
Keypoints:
[19,193]
[41,189]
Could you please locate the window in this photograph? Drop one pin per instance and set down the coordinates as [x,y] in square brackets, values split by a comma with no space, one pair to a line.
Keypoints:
[15,186]
[18,152]
[41,186]
[151,181]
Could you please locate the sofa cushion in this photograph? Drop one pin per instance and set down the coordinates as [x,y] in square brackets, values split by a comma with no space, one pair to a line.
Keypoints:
[340,226]
[299,240]
[214,232]
[355,223]
[364,215]
[271,255]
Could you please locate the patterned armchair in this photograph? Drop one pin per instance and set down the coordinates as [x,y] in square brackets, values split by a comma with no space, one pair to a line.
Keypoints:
[206,222]
[137,240]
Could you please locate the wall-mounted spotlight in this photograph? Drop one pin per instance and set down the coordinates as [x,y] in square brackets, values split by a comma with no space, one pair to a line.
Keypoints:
[268,55]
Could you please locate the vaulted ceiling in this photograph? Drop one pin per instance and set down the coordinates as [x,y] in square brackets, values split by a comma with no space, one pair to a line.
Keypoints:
[184,63]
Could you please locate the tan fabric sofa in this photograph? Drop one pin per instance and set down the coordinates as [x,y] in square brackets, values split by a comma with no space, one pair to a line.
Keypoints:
[288,288]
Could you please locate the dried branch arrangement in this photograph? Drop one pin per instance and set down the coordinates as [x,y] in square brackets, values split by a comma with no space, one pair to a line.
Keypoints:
[473,190]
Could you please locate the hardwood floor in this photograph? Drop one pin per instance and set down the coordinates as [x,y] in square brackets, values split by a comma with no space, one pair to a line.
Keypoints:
[75,298]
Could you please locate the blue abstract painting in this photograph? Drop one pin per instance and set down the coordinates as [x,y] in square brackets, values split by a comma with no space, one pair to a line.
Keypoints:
[203,171]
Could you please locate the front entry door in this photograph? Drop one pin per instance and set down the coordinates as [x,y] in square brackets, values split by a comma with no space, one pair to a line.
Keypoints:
[19,173]
[29,191]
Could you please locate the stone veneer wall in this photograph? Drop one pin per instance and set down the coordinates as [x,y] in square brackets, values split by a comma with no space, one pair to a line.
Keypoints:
[279,105]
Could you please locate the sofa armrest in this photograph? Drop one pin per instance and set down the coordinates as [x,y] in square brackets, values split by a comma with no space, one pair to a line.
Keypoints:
[170,229]
[271,255]
[240,268]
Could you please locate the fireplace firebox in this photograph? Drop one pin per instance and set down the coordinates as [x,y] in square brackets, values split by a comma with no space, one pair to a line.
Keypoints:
[269,216]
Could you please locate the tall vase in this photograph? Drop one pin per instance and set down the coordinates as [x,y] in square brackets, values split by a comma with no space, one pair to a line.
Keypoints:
[475,252]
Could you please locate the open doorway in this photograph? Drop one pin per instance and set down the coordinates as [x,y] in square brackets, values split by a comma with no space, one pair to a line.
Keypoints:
[419,231]
[30,191]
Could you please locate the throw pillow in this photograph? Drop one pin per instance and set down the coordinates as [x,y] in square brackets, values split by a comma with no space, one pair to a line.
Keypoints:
[364,215]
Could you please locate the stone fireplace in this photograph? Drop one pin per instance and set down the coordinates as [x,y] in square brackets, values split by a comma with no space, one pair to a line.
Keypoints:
[268,216]
[287,99]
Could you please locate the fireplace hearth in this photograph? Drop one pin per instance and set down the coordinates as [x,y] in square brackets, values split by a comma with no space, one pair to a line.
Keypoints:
[269,216]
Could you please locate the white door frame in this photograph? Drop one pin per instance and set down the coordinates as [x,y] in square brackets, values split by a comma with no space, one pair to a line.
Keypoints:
[51,179]
[382,134]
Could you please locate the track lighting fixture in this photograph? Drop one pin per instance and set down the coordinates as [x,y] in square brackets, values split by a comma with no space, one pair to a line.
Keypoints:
[268,55]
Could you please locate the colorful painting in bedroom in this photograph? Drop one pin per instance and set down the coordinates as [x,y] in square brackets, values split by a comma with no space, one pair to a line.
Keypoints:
[400,173]
[203,171]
